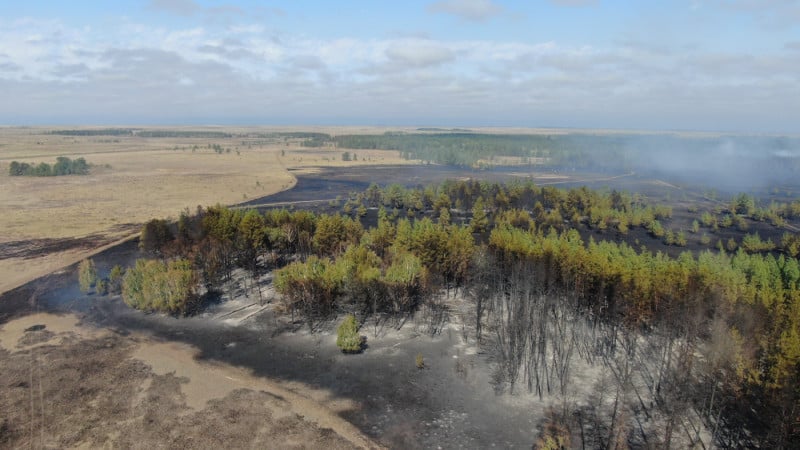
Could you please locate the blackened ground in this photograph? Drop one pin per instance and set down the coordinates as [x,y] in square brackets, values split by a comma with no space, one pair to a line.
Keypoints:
[451,403]
[326,184]
[314,191]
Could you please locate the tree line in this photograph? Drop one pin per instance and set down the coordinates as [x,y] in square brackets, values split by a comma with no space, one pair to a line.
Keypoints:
[96,132]
[62,166]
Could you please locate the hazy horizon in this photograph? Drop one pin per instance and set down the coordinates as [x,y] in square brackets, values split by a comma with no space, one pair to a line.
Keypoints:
[691,65]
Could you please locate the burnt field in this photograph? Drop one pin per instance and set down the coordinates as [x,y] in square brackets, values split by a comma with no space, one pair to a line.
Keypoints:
[451,403]
[458,400]
[323,190]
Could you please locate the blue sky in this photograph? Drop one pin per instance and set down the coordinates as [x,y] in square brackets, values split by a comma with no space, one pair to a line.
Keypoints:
[727,65]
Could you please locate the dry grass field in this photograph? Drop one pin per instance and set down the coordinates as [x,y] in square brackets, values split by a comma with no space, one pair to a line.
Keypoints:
[49,222]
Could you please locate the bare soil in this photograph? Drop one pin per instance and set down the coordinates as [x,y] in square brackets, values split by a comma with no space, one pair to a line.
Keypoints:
[72,385]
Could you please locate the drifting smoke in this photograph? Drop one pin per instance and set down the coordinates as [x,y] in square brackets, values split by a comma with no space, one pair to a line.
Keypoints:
[729,163]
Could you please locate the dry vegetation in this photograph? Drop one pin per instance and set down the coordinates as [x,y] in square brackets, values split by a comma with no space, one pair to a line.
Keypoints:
[147,177]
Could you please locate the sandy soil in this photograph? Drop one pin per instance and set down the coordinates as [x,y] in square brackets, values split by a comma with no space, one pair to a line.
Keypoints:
[67,384]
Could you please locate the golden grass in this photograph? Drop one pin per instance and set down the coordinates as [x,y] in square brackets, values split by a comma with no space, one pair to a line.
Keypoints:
[147,178]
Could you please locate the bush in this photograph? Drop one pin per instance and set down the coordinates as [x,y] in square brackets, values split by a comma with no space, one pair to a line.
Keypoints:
[115,279]
[101,287]
[656,229]
[347,337]
[752,243]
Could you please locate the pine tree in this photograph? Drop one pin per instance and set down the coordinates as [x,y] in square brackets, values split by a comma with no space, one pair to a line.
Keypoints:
[347,337]
[480,221]
[87,275]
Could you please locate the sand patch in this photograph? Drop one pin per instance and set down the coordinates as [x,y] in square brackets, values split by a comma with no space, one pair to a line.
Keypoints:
[207,381]
[57,328]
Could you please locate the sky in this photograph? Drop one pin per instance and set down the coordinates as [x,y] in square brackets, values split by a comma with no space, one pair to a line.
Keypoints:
[713,65]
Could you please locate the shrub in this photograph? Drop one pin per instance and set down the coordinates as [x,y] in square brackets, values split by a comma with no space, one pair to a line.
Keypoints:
[727,221]
[707,219]
[669,237]
[115,279]
[347,337]
[752,243]
[101,287]
[656,229]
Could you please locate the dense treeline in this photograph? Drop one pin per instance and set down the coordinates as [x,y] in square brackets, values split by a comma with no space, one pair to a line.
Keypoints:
[183,134]
[451,148]
[96,132]
[62,166]
[309,136]
[689,156]
[289,135]
[724,326]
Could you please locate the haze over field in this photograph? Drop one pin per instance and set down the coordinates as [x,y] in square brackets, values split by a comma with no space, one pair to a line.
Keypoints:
[728,65]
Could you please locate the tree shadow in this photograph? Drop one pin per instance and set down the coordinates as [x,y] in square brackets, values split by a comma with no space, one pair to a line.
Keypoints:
[211,297]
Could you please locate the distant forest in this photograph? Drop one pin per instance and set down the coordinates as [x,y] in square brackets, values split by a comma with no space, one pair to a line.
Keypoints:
[145,133]
[63,166]
[95,132]
[576,150]
[725,161]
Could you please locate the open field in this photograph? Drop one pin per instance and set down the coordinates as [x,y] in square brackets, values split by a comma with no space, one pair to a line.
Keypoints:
[51,222]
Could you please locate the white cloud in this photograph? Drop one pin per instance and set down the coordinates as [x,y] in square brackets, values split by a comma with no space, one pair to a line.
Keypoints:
[179,7]
[419,53]
[770,13]
[247,29]
[144,73]
[475,10]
